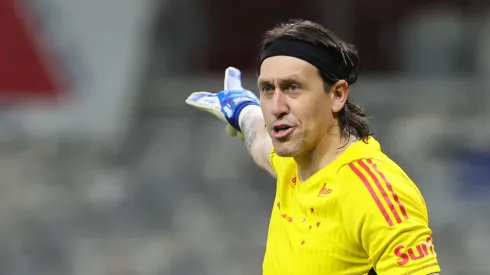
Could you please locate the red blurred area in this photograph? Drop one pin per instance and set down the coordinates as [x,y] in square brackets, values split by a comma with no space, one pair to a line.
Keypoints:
[26,71]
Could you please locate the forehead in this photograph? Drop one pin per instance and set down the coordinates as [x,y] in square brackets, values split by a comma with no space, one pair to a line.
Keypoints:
[279,67]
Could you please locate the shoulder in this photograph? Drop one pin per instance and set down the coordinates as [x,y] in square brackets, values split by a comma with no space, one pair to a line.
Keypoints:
[377,174]
[376,188]
[385,213]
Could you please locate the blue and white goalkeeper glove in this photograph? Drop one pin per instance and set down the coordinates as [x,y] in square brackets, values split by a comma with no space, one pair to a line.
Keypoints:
[227,104]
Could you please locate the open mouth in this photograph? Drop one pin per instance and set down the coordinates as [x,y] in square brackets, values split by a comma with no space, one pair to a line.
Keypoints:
[281,131]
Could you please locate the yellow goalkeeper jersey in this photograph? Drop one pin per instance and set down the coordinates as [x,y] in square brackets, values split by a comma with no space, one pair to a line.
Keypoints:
[360,214]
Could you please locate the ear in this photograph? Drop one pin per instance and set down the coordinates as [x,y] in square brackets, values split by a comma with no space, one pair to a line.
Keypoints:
[340,93]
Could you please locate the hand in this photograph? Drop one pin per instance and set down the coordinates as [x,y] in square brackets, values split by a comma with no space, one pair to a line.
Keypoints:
[227,104]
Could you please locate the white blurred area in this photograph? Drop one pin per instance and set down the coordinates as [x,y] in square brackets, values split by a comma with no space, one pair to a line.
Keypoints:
[120,177]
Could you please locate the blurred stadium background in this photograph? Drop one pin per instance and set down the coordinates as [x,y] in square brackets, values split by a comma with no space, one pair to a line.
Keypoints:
[105,171]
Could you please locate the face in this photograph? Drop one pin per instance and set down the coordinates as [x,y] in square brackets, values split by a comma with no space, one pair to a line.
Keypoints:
[298,112]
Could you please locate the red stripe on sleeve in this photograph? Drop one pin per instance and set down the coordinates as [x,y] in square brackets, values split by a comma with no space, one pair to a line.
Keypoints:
[373,194]
[390,188]
[381,189]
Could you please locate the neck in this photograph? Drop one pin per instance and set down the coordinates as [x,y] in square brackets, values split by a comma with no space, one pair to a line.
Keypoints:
[325,152]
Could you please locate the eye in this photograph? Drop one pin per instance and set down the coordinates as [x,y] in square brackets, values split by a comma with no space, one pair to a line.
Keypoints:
[266,89]
[292,87]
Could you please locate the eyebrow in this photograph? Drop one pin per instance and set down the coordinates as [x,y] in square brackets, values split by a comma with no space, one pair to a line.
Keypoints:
[289,79]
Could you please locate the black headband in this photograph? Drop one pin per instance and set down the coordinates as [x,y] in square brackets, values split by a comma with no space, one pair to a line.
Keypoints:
[328,62]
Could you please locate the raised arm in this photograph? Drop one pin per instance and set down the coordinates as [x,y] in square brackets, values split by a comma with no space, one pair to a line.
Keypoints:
[240,109]
[257,140]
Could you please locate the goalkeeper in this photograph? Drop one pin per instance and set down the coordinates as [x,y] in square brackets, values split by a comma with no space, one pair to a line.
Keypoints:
[341,205]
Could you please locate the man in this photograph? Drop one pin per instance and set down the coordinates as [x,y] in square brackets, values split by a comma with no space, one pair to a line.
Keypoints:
[341,205]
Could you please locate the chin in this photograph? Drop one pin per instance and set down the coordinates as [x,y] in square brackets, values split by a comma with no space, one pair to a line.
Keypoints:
[285,154]
[285,149]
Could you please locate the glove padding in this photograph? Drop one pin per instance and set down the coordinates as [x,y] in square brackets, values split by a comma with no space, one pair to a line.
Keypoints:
[227,104]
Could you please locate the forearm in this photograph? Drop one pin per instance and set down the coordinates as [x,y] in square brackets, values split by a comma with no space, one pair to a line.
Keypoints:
[257,140]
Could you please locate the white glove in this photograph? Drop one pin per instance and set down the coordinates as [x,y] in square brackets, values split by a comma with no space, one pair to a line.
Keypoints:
[227,104]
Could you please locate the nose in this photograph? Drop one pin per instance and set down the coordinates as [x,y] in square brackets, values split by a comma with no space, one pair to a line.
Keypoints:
[279,104]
